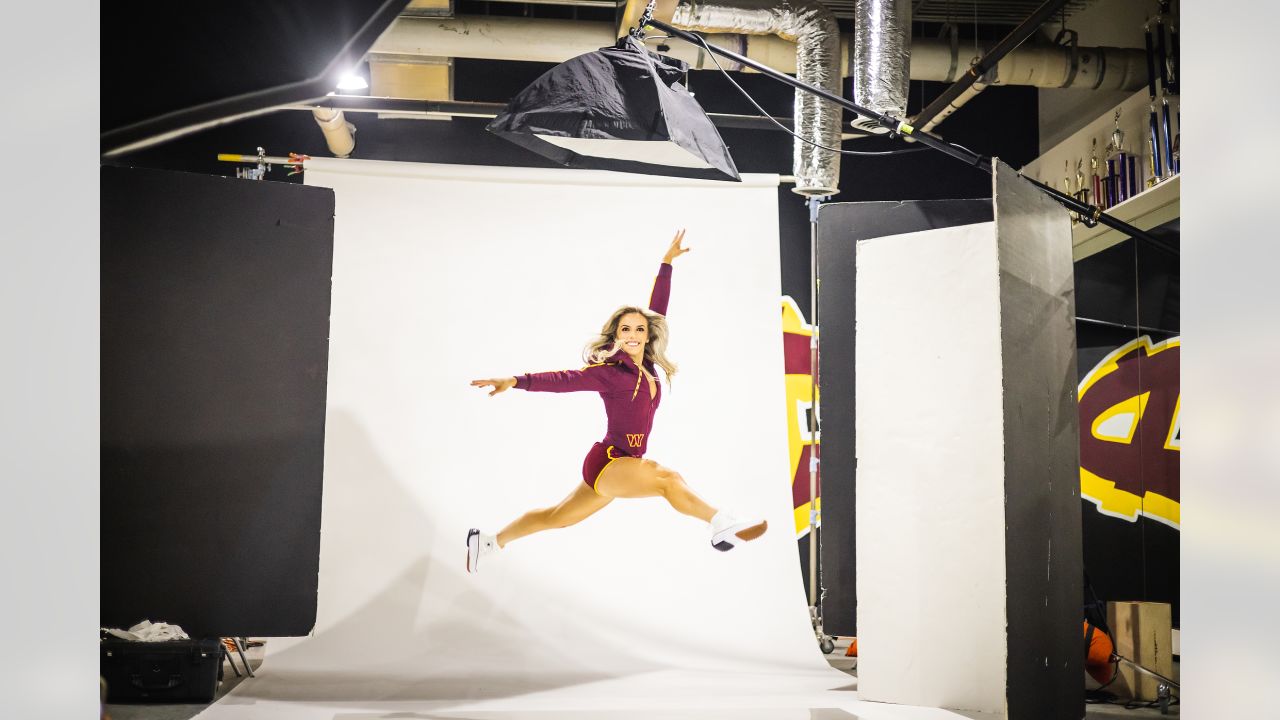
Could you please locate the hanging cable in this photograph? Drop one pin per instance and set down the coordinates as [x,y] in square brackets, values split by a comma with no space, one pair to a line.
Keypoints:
[784,128]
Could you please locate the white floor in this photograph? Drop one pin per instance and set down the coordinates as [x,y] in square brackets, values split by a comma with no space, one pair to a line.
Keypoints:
[523,693]
[250,700]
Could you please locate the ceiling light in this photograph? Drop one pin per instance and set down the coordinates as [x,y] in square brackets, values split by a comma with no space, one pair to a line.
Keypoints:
[352,81]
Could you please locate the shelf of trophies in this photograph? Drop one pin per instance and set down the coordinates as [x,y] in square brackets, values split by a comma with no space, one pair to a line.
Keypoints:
[1109,163]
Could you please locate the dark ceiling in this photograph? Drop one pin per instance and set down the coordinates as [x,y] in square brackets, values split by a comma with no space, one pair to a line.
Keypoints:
[172,57]
[177,55]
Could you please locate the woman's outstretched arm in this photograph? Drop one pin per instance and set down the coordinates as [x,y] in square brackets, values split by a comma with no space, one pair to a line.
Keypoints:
[588,379]
[661,294]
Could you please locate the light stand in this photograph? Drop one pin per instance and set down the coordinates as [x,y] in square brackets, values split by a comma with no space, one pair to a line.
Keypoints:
[816,592]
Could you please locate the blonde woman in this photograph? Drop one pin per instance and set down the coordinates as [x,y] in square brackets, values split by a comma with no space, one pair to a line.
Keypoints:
[622,367]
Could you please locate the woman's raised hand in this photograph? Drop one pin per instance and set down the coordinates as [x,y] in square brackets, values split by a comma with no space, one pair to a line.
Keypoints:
[498,384]
[675,250]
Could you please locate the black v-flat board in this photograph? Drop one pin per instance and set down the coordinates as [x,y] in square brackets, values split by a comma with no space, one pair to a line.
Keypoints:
[840,227]
[215,344]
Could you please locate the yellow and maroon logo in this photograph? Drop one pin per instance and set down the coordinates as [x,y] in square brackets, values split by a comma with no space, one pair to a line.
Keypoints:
[796,336]
[635,440]
[1130,433]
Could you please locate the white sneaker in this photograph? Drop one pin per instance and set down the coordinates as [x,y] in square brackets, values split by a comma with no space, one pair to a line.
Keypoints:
[479,545]
[727,531]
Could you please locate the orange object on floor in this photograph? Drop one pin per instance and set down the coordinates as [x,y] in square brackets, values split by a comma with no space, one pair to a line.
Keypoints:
[853,649]
[1097,660]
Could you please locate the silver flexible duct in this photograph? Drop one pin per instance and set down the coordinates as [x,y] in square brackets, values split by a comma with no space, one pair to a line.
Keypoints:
[880,63]
[817,36]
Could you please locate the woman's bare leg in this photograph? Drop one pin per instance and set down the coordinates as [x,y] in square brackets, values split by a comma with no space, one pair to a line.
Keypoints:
[636,478]
[581,504]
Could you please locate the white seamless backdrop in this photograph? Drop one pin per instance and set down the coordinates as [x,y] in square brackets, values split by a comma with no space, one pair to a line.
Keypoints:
[443,274]
[448,273]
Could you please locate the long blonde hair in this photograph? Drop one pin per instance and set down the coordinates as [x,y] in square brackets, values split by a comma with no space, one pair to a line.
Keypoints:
[606,344]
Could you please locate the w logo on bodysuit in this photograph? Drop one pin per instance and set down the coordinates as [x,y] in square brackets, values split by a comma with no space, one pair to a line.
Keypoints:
[635,440]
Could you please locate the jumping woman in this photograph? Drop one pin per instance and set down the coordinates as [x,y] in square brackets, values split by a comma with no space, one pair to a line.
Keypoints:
[622,367]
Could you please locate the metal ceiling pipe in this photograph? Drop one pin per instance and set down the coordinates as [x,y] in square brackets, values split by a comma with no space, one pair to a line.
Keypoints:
[953,105]
[339,134]
[973,81]
[814,29]
[881,62]
[493,38]
[1045,66]
[554,41]
[1095,68]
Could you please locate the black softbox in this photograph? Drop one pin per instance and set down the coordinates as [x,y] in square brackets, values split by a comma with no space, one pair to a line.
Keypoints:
[618,108]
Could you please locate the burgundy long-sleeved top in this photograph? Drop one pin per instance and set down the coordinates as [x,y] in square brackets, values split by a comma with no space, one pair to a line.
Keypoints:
[621,385]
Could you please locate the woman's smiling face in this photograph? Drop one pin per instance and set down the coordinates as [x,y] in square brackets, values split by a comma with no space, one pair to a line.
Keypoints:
[633,334]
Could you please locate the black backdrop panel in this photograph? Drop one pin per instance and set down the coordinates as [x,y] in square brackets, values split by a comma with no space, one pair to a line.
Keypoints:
[840,225]
[1038,377]
[215,326]
[1136,286]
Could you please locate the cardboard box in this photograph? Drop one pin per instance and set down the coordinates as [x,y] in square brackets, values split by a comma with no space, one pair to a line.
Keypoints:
[1144,634]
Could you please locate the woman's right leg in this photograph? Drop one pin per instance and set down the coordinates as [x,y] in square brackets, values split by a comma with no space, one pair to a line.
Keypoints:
[636,478]
[581,504]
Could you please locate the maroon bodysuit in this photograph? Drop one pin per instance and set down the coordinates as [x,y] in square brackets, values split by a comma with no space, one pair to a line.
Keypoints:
[621,385]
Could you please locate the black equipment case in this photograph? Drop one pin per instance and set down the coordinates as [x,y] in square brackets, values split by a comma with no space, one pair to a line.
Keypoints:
[171,671]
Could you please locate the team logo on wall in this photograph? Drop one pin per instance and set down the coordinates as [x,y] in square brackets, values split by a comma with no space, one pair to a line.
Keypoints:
[796,336]
[1130,433]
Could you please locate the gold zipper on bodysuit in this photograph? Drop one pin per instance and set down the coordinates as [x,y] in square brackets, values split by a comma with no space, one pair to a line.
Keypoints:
[639,376]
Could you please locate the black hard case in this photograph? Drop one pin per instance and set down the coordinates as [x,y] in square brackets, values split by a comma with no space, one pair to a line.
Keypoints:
[170,671]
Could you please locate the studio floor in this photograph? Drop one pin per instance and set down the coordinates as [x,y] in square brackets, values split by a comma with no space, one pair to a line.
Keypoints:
[836,659]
